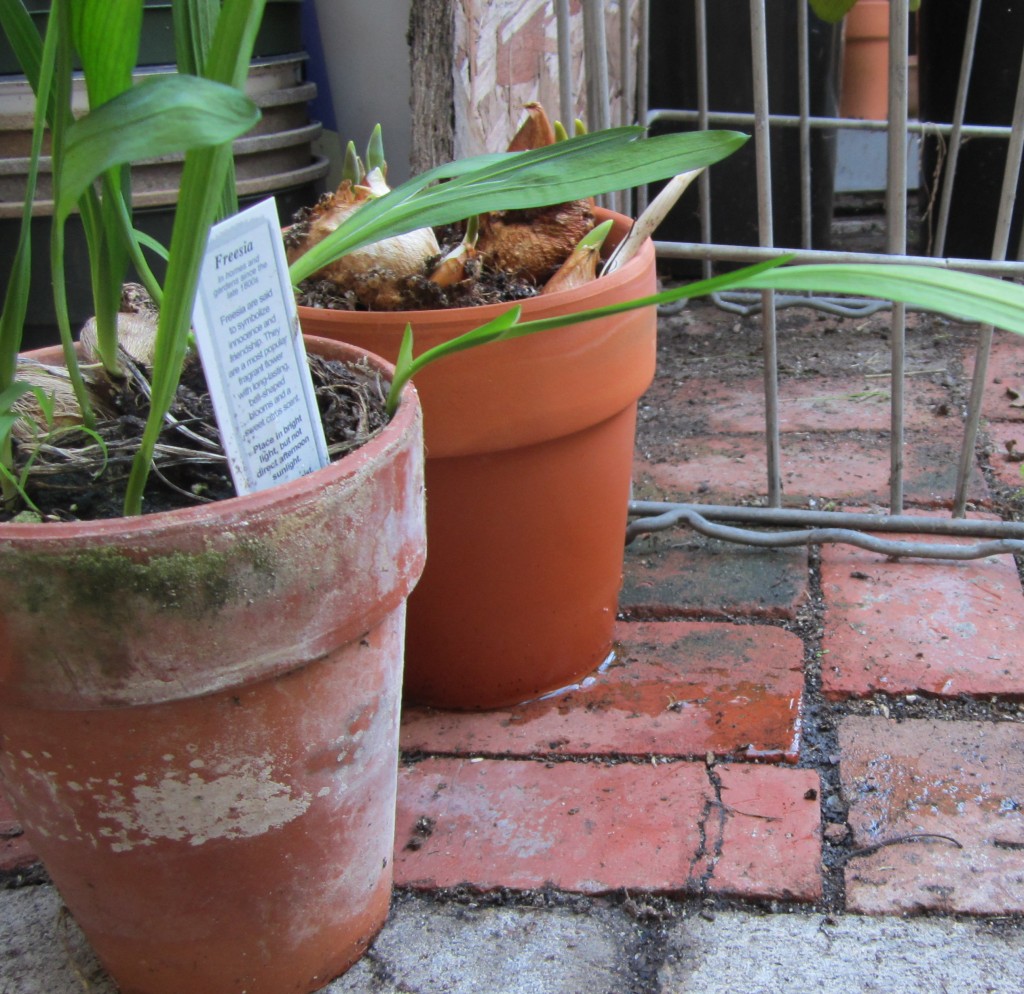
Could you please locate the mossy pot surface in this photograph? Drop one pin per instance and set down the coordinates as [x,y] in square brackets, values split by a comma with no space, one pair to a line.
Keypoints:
[199,719]
[186,602]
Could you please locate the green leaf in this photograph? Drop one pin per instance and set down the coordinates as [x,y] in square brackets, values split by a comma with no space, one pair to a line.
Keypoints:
[506,325]
[106,36]
[202,181]
[23,37]
[962,295]
[831,10]
[16,295]
[584,166]
[7,422]
[406,367]
[12,393]
[403,371]
[375,152]
[967,296]
[160,116]
[194,25]
[195,22]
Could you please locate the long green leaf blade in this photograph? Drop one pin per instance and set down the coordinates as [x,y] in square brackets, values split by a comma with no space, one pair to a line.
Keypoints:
[962,295]
[37,59]
[106,36]
[201,184]
[24,38]
[158,117]
[584,166]
[194,25]
[12,393]
[507,324]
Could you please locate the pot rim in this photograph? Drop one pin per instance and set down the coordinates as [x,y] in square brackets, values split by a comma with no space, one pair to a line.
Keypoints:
[539,305]
[258,504]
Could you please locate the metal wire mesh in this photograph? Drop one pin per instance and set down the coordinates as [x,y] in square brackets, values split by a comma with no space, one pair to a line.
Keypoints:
[763,123]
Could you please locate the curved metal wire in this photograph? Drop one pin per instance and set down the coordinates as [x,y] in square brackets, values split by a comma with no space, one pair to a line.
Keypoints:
[661,517]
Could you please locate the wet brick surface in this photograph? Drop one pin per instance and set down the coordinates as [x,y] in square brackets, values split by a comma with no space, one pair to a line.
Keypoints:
[674,689]
[1007,455]
[677,573]
[1003,399]
[810,404]
[842,466]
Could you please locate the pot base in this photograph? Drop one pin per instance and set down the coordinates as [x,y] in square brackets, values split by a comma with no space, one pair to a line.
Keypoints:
[534,611]
[239,841]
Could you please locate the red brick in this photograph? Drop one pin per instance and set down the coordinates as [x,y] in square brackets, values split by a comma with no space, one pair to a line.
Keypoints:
[772,841]
[813,464]
[678,573]
[674,689]
[805,404]
[1004,379]
[592,828]
[707,465]
[1005,460]
[961,780]
[941,627]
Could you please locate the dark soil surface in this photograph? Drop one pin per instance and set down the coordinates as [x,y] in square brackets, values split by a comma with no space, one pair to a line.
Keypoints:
[190,464]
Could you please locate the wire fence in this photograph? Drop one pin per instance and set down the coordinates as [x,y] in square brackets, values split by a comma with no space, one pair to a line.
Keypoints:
[766,126]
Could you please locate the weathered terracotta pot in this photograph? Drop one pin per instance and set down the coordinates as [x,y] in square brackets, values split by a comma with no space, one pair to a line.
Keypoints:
[529,456]
[199,720]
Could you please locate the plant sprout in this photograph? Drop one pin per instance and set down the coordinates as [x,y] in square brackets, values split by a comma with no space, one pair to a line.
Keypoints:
[200,115]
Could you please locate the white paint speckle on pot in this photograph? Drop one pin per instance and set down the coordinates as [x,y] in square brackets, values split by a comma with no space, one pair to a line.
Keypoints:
[185,807]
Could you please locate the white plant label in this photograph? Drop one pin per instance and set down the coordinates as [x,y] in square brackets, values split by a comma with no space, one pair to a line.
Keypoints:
[247,330]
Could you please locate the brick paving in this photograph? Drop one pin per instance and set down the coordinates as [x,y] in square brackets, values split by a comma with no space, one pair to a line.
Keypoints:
[936,627]
[944,802]
[829,728]
[817,464]
[733,580]
[1007,455]
[670,827]
[675,689]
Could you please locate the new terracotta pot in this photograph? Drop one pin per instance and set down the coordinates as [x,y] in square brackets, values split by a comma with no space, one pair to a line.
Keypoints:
[865,87]
[529,455]
[199,720]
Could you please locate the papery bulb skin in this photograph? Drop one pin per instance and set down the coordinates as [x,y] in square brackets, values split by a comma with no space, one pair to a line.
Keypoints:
[533,244]
[388,261]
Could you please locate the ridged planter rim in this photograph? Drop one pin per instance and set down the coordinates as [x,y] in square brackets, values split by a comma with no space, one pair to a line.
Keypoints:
[552,371]
[323,552]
